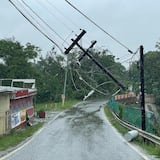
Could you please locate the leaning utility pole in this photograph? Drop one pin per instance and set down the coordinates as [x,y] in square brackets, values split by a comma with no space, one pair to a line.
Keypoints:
[142,93]
[87,52]
[75,41]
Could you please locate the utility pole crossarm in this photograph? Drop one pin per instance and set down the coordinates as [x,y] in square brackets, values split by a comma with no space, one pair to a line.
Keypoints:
[75,41]
[101,67]
[91,46]
[86,52]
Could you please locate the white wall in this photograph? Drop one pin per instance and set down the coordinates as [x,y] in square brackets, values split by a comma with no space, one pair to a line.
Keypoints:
[4,106]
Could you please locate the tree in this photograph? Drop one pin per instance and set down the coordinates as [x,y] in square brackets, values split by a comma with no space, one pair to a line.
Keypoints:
[134,76]
[151,74]
[157,46]
[16,59]
[95,77]
[51,78]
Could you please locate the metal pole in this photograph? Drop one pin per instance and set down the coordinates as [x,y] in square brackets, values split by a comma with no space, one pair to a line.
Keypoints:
[65,83]
[142,95]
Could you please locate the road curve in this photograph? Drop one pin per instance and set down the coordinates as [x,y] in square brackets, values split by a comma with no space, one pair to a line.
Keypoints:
[81,133]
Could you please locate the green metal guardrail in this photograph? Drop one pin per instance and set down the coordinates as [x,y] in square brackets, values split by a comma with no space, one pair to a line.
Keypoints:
[132,115]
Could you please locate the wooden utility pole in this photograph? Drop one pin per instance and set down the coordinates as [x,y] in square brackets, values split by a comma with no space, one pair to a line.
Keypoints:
[87,53]
[142,93]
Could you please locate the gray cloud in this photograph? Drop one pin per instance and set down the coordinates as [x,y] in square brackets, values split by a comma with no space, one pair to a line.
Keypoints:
[132,22]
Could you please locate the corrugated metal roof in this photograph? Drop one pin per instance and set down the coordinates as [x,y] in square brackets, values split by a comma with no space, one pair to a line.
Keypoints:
[9,89]
[19,92]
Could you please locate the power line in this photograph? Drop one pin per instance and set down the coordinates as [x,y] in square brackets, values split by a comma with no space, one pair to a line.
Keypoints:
[130,59]
[65,17]
[42,20]
[43,5]
[90,85]
[127,60]
[42,32]
[51,13]
[87,75]
[72,79]
[31,16]
[98,26]
[60,12]
[67,38]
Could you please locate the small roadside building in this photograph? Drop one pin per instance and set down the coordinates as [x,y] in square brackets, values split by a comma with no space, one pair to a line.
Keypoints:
[15,105]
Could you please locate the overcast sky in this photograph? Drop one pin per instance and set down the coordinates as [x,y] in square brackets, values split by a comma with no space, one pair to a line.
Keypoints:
[132,22]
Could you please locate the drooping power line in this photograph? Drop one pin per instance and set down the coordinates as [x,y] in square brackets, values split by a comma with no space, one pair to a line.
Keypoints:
[98,26]
[42,20]
[73,81]
[32,23]
[52,13]
[95,89]
[66,18]
[62,14]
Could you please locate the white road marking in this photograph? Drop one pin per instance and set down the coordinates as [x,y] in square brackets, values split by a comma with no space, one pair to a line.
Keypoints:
[30,140]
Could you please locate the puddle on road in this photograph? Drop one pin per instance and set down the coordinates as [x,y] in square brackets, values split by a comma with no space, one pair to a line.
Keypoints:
[83,123]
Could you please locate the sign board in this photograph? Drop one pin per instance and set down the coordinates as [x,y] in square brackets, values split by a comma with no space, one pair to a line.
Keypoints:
[23,115]
[15,119]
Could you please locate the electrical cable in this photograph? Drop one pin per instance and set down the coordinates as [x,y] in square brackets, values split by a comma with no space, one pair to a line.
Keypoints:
[52,14]
[42,20]
[64,40]
[63,15]
[98,26]
[43,33]
[31,16]
[67,38]
[89,72]
[90,85]
[66,17]
[127,60]
[73,80]
[89,76]
[134,54]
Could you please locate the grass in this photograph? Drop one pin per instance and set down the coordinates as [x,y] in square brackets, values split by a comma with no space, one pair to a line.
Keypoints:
[15,137]
[114,122]
[151,148]
[55,106]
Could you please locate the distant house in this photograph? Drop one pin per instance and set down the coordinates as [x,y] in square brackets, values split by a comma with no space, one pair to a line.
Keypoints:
[15,105]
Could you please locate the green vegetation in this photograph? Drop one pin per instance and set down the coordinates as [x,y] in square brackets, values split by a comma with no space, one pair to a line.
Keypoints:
[15,137]
[151,71]
[26,61]
[18,61]
[151,148]
[114,122]
[121,106]
[55,106]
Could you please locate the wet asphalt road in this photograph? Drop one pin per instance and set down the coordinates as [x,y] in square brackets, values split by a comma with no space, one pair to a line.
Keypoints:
[82,133]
